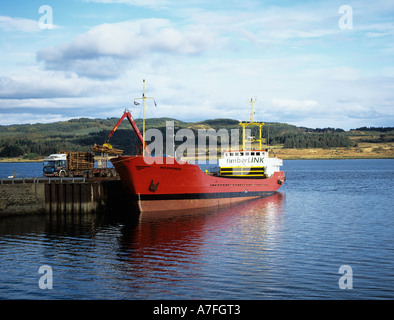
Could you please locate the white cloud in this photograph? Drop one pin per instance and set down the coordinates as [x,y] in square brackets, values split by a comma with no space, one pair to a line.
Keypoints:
[26,117]
[138,3]
[345,73]
[107,49]
[292,105]
[10,24]
[44,85]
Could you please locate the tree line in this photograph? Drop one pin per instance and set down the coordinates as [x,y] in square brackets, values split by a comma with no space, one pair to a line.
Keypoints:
[376,129]
[127,141]
[325,140]
[40,140]
[31,149]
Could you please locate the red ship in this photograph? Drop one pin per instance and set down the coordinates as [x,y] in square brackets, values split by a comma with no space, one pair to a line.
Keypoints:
[166,184]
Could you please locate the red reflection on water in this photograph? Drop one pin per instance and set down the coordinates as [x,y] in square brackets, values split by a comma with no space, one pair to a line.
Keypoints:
[163,233]
[169,251]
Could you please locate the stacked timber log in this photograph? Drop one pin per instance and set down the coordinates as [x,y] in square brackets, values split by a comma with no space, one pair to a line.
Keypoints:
[104,149]
[78,160]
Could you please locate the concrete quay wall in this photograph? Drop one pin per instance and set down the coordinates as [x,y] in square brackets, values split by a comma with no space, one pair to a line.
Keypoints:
[24,196]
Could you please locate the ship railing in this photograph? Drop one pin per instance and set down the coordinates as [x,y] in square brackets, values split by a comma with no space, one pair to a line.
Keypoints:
[243,171]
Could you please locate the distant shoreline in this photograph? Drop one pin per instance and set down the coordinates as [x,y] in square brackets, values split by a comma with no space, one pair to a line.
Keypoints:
[18,160]
[362,151]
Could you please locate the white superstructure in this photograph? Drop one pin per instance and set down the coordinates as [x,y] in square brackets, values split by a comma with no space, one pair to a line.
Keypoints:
[250,161]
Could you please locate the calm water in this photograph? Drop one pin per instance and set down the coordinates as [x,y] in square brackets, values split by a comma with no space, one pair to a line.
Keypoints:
[287,246]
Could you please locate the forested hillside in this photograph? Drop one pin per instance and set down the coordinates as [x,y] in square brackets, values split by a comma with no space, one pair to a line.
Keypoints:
[38,140]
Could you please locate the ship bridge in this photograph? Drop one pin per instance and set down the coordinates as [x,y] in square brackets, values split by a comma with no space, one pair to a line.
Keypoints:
[255,163]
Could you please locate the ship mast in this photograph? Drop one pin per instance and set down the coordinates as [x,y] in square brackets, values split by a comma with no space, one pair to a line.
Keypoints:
[251,123]
[251,109]
[143,115]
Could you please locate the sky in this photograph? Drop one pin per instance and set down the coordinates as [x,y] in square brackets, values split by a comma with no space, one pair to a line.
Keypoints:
[310,63]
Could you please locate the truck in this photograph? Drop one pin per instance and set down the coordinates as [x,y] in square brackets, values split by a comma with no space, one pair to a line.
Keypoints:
[76,164]
[82,164]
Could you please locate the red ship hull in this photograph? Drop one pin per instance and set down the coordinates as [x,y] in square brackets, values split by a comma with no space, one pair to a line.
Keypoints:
[168,185]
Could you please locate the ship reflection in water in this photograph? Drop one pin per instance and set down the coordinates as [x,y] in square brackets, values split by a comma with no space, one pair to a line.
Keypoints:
[187,253]
[164,228]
